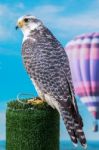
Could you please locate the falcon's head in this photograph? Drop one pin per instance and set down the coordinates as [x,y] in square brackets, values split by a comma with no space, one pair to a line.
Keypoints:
[28,23]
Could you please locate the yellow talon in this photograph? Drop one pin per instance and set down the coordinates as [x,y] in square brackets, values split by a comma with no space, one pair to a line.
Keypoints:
[35,101]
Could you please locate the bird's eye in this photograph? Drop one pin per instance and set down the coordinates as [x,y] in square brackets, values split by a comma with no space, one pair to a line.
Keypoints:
[26,20]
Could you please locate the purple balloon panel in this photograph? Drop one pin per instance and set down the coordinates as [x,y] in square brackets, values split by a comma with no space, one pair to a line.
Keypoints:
[85,61]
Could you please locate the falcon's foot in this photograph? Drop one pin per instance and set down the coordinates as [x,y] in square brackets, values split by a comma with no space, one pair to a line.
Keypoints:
[36,100]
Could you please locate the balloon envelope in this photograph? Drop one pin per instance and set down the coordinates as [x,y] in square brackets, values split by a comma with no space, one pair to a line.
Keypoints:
[83,53]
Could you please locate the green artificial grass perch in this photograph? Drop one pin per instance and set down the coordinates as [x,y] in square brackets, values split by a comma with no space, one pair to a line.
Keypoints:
[31,126]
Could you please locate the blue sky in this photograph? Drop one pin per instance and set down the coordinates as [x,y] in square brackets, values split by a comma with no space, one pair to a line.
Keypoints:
[66,19]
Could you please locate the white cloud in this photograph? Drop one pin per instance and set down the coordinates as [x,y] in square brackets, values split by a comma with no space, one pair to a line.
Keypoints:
[66,26]
[8,17]
[20,5]
[12,14]
[55,17]
[7,12]
[4,33]
[47,9]
[3,9]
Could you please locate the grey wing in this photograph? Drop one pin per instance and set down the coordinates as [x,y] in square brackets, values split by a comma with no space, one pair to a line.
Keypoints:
[65,69]
[54,78]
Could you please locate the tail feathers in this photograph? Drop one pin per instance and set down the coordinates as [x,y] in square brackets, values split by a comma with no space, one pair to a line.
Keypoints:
[80,134]
[69,126]
[72,134]
[74,127]
[76,115]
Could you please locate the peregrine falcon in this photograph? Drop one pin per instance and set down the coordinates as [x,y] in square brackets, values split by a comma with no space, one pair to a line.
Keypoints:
[47,64]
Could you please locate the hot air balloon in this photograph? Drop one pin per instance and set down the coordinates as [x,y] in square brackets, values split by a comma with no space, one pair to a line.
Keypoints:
[83,54]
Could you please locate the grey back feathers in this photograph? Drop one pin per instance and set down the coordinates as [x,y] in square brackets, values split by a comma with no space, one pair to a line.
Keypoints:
[47,64]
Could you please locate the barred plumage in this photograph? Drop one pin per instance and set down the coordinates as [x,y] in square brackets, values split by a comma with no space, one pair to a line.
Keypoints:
[47,65]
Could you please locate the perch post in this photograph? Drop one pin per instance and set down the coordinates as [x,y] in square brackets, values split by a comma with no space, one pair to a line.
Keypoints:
[31,127]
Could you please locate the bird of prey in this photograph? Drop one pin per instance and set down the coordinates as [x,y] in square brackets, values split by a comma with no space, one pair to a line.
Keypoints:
[47,64]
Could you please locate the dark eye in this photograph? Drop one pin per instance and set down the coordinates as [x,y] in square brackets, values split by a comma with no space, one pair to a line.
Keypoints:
[26,20]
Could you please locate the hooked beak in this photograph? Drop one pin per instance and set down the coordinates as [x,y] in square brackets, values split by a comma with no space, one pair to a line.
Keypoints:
[20,24]
[16,27]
